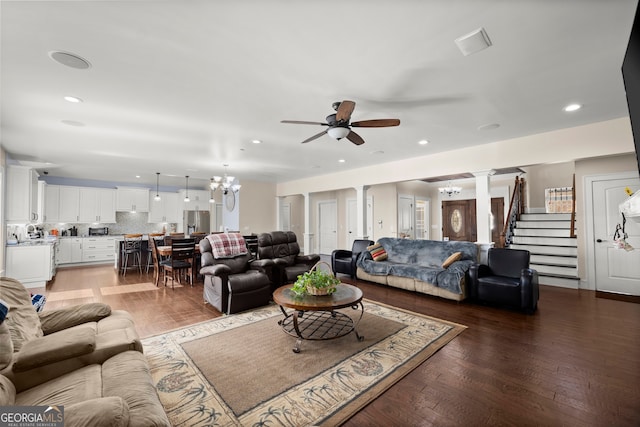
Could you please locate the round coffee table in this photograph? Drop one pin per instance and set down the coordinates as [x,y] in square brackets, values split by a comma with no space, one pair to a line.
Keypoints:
[315,317]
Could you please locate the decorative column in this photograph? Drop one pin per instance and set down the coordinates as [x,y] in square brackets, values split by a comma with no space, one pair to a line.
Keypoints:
[361,212]
[483,212]
[308,236]
[278,211]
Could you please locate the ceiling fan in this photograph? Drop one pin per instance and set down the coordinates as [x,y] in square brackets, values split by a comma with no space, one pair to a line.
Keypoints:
[339,126]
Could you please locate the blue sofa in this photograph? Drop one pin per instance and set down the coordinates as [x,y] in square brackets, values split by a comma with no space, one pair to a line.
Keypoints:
[417,265]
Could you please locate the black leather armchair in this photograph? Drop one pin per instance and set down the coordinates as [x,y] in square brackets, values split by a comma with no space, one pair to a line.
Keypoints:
[282,247]
[506,280]
[234,284]
[344,261]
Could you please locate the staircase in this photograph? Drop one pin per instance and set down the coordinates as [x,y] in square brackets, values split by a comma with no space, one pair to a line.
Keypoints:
[554,253]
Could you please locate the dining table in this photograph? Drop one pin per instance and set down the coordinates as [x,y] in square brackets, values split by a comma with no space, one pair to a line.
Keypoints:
[165,250]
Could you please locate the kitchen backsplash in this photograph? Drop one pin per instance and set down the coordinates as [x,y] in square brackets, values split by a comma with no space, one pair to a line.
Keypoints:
[127,223]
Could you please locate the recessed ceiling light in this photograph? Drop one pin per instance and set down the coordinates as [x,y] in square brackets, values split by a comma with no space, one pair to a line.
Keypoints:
[572,107]
[70,60]
[138,176]
[489,126]
[341,161]
[73,99]
[423,142]
[256,141]
[73,123]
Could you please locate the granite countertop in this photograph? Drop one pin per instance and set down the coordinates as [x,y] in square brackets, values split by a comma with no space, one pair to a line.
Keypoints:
[34,242]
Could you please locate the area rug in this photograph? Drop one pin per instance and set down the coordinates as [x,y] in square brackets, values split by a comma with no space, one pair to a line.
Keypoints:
[240,370]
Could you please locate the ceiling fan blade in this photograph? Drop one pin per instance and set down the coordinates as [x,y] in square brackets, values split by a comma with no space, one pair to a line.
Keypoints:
[344,111]
[302,122]
[376,123]
[355,138]
[316,136]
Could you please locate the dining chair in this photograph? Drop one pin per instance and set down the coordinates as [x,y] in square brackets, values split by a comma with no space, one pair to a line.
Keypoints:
[131,247]
[167,239]
[156,237]
[153,244]
[182,259]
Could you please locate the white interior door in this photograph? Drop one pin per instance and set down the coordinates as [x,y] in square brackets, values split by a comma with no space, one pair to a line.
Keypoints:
[616,270]
[327,225]
[352,223]
[285,217]
[405,217]
[423,218]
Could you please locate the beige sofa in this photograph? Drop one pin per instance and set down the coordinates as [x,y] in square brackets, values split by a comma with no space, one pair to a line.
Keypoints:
[87,358]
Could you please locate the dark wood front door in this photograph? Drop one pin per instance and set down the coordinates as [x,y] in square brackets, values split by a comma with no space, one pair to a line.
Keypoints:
[459,220]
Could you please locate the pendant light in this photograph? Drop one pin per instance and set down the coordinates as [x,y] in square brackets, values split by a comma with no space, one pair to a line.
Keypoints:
[186,197]
[157,198]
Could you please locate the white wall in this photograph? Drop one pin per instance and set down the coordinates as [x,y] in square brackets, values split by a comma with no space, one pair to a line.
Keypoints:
[594,140]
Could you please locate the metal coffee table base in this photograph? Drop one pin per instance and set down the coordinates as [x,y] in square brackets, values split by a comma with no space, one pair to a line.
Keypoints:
[319,325]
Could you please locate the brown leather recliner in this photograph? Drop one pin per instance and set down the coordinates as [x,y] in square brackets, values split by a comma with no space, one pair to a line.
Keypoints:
[234,284]
[282,247]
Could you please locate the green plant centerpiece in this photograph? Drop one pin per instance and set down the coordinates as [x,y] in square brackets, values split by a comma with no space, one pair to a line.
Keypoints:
[315,282]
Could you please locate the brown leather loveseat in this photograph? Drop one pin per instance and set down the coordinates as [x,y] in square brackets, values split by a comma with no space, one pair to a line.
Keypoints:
[282,247]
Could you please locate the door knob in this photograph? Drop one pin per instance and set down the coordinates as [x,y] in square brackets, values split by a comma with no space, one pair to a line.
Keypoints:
[599,240]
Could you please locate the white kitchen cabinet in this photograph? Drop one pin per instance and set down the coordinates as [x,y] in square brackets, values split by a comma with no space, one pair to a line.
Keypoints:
[30,264]
[97,205]
[69,204]
[51,203]
[69,250]
[198,200]
[132,199]
[167,209]
[98,249]
[22,195]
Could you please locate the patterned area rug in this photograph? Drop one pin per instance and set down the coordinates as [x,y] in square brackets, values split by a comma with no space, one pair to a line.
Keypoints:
[240,369]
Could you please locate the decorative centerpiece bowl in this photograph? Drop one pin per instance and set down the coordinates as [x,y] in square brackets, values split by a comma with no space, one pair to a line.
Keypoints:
[316,282]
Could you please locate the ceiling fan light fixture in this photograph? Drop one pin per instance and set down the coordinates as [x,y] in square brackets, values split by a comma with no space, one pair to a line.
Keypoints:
[338,132]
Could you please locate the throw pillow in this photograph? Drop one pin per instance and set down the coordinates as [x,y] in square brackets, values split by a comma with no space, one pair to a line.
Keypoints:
[377,252]
[452,258]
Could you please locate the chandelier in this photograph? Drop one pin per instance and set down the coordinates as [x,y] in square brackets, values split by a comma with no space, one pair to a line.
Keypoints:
[450,190]
[226,183]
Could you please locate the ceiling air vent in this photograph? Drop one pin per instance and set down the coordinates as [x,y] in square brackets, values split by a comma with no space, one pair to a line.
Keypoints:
[473,42]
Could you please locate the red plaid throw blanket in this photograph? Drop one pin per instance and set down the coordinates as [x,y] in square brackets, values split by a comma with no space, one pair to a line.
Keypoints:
[226,245]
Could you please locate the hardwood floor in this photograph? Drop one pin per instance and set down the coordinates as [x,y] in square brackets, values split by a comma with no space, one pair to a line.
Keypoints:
[576,362]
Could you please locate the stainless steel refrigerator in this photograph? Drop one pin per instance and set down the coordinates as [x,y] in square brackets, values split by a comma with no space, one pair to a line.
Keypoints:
[196,221]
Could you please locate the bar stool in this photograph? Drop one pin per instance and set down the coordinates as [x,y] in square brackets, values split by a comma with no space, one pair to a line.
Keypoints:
[159,238]
[132,245]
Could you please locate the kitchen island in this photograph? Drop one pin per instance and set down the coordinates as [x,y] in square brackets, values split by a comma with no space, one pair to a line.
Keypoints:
[32,262]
